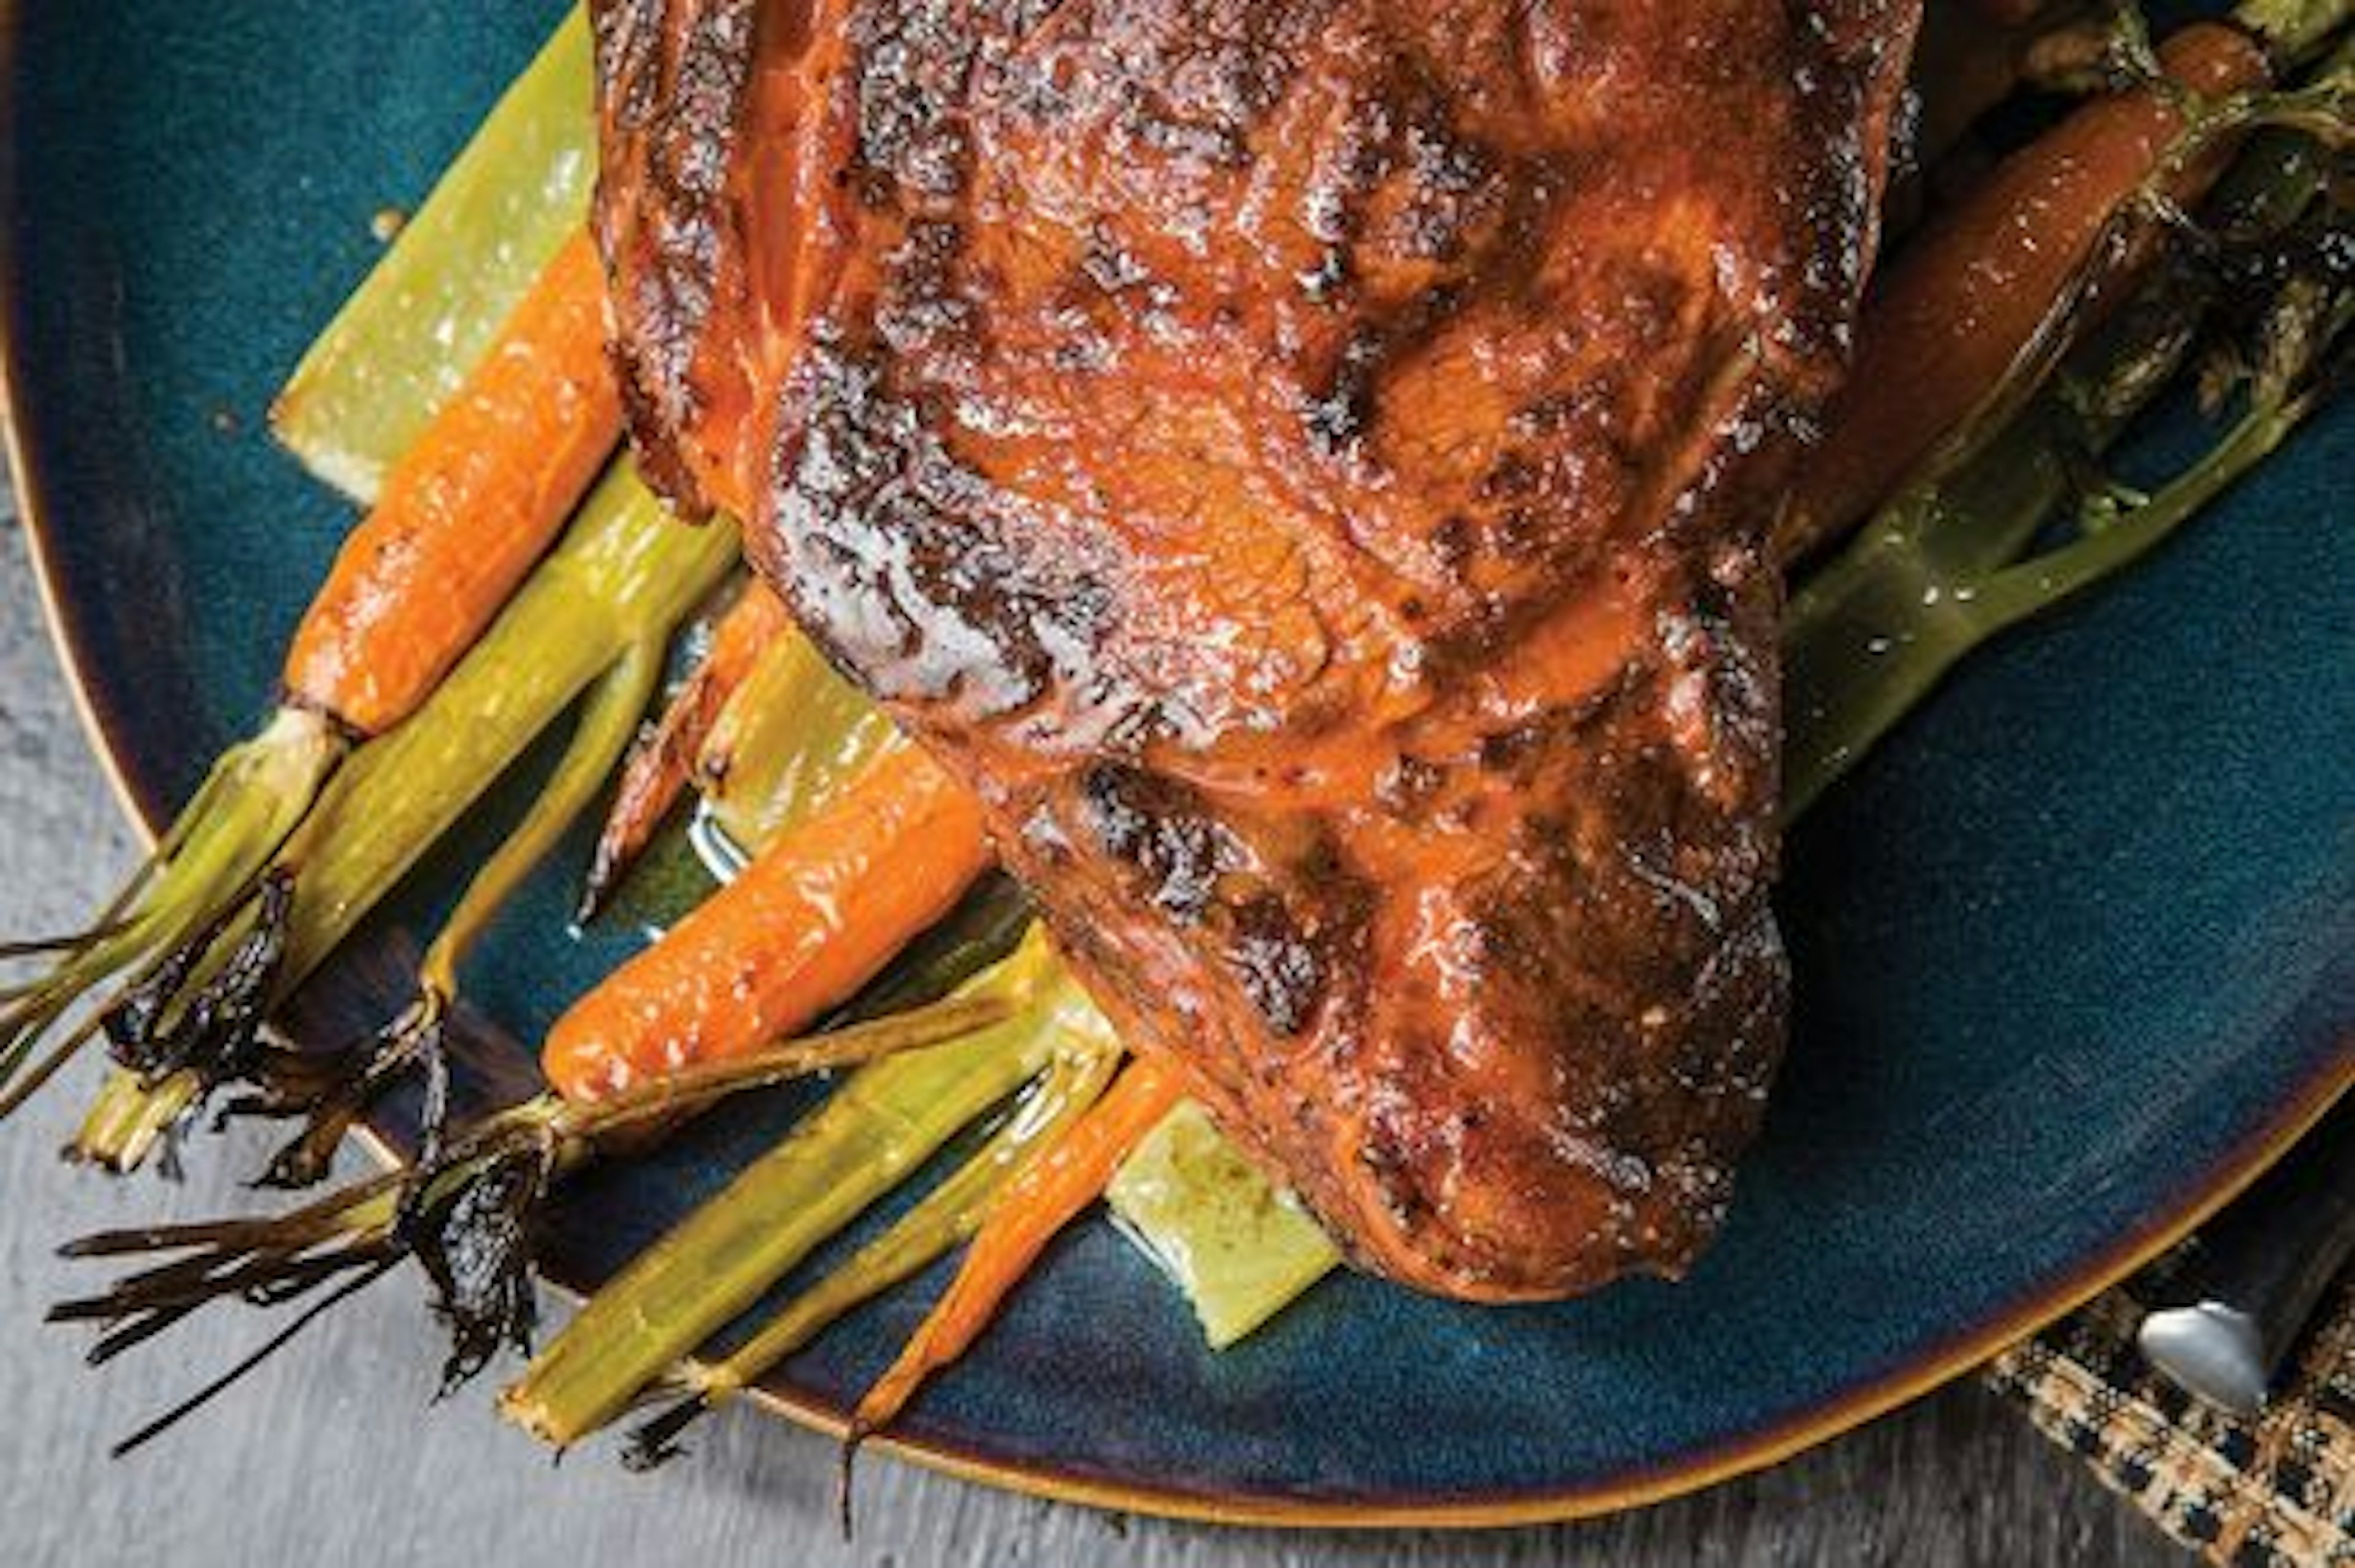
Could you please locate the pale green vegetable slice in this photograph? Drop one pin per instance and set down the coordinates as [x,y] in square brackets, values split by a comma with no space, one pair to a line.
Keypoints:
[793,737]
[407,338]
[1239,1247]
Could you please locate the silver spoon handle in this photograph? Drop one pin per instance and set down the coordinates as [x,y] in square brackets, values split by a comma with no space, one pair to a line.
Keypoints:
[2255,1274]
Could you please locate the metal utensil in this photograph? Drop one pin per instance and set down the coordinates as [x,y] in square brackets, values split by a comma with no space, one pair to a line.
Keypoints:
[2254,1275]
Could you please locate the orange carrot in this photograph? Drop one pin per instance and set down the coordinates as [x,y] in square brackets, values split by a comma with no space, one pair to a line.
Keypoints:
[661,764]
[466,512]
[1048,1193]
[459,522]
[1965,299]
[814,917]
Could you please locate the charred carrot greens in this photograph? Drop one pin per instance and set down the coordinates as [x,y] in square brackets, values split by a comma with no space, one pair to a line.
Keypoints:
[1017,1023]
[464,1214]
[462,517]
[198,875]
[596,616]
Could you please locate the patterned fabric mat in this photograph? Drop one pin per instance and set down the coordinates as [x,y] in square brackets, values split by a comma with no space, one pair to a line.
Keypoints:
[2249,1494]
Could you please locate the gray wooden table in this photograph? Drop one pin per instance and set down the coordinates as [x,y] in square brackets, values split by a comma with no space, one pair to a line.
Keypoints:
[336,1455]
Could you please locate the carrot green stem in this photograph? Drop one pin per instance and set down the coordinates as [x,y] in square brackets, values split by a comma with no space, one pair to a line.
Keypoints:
[614,707]
[130,1117]
[692,1088]
[1867,637]
[2014,594]
[253,799]
[868,1136]
[623,577]
[943,1220]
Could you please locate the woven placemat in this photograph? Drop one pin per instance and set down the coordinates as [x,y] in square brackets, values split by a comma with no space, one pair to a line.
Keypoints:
[2252,1494]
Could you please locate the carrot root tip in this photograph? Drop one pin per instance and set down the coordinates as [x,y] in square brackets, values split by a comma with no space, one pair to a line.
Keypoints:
[331,1091]
[845,1478]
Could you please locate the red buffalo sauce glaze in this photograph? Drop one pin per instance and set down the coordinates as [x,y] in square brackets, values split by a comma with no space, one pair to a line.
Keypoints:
[1308,469]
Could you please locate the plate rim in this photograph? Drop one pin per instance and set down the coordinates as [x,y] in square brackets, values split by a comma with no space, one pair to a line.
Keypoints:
[1968,1348]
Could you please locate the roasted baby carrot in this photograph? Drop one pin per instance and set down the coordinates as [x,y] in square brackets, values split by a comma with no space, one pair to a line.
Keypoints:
[1969,296]
[1048,1192]
[662,763]
[461,521]
[592,617]
[814,917]
[468,509]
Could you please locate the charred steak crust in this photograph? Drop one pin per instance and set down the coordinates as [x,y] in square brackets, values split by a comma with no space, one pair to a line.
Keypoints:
[1308,466]
[672,105]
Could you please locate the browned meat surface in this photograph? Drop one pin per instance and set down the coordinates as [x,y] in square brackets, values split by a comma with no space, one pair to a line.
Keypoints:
[1307,466]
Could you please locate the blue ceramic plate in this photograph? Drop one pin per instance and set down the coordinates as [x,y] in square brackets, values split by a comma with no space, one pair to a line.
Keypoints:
[2074,951]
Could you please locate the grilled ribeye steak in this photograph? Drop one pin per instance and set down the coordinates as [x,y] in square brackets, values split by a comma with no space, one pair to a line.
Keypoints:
[1307,466]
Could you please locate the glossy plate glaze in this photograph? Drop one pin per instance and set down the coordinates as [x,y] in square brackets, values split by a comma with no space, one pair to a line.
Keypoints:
[2076,953]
